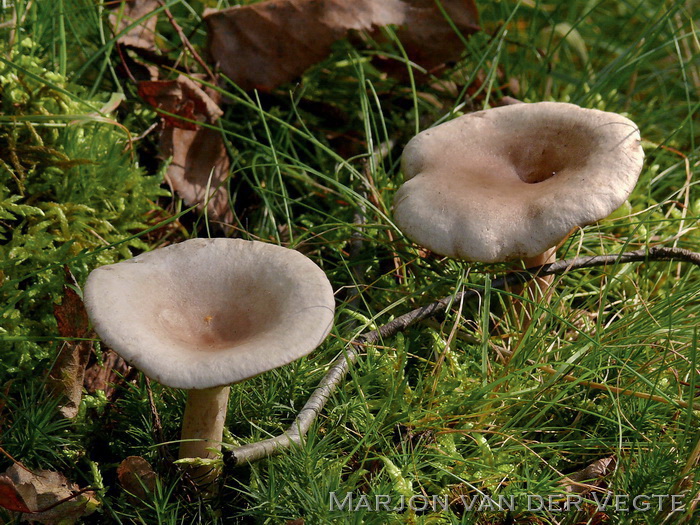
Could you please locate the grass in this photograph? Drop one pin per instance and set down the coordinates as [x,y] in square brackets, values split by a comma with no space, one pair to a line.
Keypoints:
[432,411]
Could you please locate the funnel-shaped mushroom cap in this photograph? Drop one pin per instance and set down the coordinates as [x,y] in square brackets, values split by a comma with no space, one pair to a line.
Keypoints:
[511,182]
[210,312]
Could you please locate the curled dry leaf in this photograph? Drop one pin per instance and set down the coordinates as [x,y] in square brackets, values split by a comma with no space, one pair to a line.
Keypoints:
[141,38]
[136,477]
[183,98]
[66,377]
[44,496]
[269,43]
[200,163]
[143,34]
[581,481]
[199,169]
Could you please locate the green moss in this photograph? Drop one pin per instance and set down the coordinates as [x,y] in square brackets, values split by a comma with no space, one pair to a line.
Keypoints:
[67,188]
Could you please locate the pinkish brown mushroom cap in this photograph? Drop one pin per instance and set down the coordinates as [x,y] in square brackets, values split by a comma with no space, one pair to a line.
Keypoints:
[511,182]
[211,312]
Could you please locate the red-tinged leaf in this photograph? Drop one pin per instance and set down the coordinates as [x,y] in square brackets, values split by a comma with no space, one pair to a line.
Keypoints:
[66,377]
[269,43]
[10,498]
[199,157]
[46,496]
[166,97]
[71,316]
[181,97]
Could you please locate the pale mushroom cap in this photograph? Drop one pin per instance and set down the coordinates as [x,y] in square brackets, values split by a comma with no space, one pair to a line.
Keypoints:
[210,312]
[511,182]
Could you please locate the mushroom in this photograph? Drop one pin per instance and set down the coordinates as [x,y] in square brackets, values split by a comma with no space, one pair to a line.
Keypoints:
[206,313]
[511,182]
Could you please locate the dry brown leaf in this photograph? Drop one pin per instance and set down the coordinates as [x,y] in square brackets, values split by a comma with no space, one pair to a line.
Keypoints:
[181,97]
[136,476]
[105,376]
[143,35]
[44,496]
[269,43]
[66,377]
[199,169]
[582,481]
[428,37]
[199,157]
[141,38]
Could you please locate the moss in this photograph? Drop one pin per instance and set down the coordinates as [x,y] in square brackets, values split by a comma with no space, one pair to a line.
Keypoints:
[67,188]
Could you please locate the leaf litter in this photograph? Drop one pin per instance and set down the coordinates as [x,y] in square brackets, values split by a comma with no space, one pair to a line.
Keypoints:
[44,496]
[264,45]
[66,376]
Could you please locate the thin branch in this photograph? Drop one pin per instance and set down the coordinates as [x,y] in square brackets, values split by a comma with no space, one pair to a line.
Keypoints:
[261,449]
[308,414]
[186,42]
[337,371]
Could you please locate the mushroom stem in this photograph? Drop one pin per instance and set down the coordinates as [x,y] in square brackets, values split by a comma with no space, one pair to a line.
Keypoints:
[546,257]
[202,429]
[534,291]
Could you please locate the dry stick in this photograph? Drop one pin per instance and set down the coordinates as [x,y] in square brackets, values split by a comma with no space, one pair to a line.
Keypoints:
[157,423]
[308,414]
[186,42]
[312,408]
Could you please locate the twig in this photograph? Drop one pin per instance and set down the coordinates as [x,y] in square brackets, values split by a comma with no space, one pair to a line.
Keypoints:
[12,36]
[312,408]
[261,449]
[308,414]
[157,424]
[186,42]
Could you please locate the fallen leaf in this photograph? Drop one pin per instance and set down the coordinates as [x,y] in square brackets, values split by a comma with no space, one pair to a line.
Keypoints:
[66,377]
[198,169]
[104,377]
[428,37]
[10,498]
[140,39]
[200,163]
[142,35]
[582,481]
[44,496]
[269,43]
[136,476]
[71,316]
[266,44]
[183,98]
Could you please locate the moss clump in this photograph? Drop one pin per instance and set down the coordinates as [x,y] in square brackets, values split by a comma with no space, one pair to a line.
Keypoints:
[69,185]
